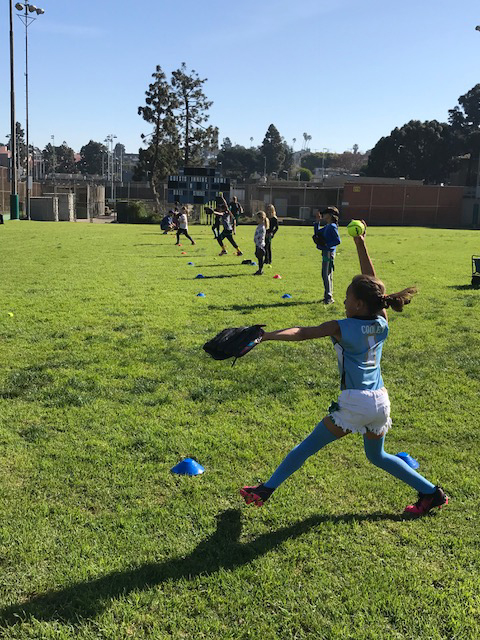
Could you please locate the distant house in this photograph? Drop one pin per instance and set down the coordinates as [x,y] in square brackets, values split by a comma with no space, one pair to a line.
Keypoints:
[4,156]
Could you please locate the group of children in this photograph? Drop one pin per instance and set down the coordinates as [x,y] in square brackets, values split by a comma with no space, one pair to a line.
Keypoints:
[267,227]
[264,233]
[228,215]
[177,221]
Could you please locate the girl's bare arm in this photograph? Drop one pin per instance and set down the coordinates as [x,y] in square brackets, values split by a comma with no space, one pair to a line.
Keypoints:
[296,334]
[366,264]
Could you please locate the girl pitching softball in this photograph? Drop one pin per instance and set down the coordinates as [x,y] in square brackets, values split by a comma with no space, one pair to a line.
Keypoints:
[363,405]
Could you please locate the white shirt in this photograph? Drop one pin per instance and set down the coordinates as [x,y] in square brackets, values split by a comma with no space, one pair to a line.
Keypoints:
[183,221]
[259,238]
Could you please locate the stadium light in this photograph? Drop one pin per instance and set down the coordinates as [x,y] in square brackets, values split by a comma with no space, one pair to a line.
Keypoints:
[27,20]
[13,129]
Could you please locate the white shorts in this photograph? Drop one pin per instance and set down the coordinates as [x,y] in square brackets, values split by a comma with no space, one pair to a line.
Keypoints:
[362,411]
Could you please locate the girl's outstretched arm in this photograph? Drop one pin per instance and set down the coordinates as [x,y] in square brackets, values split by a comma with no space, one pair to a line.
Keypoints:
[366,264]
[327,329]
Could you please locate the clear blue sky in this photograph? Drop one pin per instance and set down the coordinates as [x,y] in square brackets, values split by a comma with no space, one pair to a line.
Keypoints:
[344,71]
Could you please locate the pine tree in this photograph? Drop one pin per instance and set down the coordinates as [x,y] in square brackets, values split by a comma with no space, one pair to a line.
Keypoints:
[191,110]
[273,149]
[162,155]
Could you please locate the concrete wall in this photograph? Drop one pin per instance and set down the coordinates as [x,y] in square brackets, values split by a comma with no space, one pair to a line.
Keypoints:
[44,208]
[66,207]
[406,205]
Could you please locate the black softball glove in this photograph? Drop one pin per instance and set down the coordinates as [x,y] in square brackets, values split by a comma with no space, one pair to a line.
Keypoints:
[235,342]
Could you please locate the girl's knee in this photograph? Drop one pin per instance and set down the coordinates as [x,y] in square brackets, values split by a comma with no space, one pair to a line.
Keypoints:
[374,451]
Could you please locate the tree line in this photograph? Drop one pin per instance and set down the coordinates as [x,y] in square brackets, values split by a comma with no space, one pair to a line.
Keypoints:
[61,158]
[177,112]
[432,150]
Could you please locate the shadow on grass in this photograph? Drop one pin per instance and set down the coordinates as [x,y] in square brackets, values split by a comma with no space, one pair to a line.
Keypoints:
[223,264]
[223,275]
[463,287]
[184,257]
[242,307]
[222,550]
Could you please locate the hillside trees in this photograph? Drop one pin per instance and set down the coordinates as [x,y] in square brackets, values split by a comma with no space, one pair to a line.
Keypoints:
[238,161]
[93,158]
[65,159]
[465,124]
[418,151]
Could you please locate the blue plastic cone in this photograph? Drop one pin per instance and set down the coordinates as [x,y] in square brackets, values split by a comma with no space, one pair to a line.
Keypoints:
[199,276]
[200,295]
[190,264]
[286,295]
[406,457]
[188,467]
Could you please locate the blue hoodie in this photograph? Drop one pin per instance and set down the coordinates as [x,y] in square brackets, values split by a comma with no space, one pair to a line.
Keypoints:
[329,232]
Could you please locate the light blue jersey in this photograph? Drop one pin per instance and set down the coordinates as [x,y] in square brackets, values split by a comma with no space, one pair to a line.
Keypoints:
[359,352]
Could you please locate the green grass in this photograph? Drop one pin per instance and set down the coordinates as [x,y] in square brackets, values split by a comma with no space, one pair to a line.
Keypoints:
[104,387]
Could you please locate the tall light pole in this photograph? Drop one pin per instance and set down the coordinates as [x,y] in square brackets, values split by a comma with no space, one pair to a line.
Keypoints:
[323,163]
[14,215]
[477,191]
[27,20]
[54,165]
[109,139]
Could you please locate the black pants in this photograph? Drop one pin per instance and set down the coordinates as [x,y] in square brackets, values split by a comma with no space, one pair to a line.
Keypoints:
[260,255]
[268,250]
[229,236]
[183,232]
[216,229]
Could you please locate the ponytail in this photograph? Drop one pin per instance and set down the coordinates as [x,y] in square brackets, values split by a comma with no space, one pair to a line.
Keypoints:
[397,301]
[372,291]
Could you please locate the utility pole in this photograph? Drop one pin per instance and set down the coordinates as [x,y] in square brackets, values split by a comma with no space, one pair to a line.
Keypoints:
[14,211]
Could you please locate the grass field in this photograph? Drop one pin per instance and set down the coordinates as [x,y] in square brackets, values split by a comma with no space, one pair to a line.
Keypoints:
[104,387]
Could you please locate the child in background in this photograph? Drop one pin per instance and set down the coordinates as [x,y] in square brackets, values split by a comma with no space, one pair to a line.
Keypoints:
[217,219]
[363,405]
[259,239]
[326,237]
[183,226]
[166,224]
[237,210]
[228,221]
[271,231]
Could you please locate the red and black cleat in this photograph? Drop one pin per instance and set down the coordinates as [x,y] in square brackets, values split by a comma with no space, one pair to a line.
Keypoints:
[426,502]
[257,495]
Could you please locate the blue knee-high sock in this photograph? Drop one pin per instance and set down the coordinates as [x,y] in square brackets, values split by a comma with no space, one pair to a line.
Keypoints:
[395,466]
[319,437]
